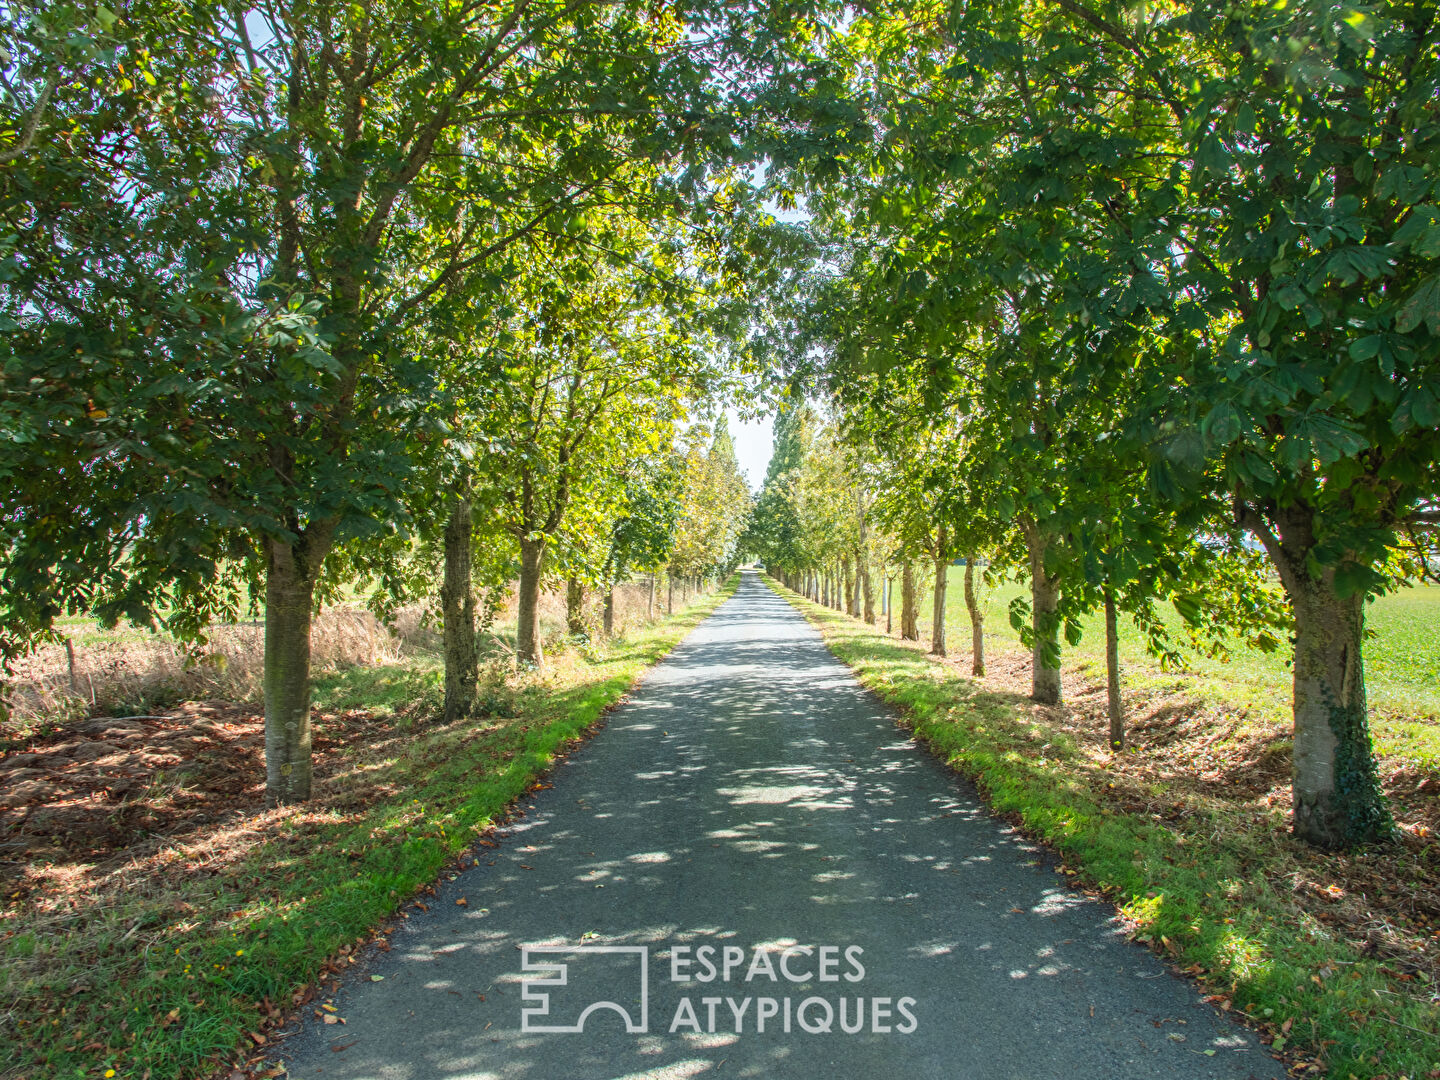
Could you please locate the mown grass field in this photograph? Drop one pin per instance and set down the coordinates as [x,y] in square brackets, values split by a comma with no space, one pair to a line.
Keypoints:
[1402,662]
[174,956]
[1332,956]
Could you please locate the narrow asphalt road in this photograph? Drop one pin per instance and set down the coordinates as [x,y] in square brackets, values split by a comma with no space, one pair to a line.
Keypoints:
[751,794]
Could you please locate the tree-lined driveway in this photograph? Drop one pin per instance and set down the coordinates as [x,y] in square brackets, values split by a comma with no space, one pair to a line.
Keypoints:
[751,795]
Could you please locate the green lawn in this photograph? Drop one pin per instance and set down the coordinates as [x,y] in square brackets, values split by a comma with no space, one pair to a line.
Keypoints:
[1402,661]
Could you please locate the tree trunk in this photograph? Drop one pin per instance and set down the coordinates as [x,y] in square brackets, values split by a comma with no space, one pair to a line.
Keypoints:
[848,574]
[863,586]
[670,592]
[528,649]
[650,601]
[457,606]
[1338,801]
[889,603]
[1336,794]
[609,616]
[937,610]
[868,589]
[1045,623]
[291,572]
[575,606]
[1114,709]
[977,620]
[909,608]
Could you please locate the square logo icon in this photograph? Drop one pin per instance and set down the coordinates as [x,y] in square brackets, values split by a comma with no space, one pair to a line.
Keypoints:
[564,985]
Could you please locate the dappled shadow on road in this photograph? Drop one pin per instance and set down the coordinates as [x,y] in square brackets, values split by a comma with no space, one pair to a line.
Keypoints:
[753,795]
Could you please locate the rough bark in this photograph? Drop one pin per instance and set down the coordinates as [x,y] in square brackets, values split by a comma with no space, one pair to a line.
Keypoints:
[457,606]
[937,605]
[608,617]
[909,608]
[977,620]
[862,561]
[867,588]
[669,593]
[1045,623]
[575,606]
[528,648]
[291,572]
[852,607]
[650,600]
[1338,801]
[1113,707]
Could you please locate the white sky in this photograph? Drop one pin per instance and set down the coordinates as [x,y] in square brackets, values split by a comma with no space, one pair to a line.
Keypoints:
[754,442]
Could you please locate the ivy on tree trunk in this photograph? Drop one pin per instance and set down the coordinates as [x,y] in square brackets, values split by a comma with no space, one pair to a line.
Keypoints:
[1337,798]
[575,605]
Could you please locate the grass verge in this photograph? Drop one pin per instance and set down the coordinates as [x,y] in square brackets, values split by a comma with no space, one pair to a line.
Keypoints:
[170,958]
[1211,886]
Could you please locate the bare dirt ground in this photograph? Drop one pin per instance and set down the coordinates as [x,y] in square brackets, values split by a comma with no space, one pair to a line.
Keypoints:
[73,801]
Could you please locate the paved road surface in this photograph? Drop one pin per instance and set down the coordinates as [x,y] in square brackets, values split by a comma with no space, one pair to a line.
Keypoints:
[752,794]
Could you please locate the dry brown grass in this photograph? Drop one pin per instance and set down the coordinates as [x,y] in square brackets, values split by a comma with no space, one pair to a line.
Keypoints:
[631,607]
[131,671]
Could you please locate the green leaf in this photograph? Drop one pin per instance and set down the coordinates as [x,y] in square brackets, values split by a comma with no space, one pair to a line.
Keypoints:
[1422,306]
[1222,426]
[1212,157]
[1366,347]
[1188,605]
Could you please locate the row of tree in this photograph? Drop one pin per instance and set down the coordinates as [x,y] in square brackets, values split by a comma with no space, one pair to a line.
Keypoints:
[1122,296]
[306,297]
